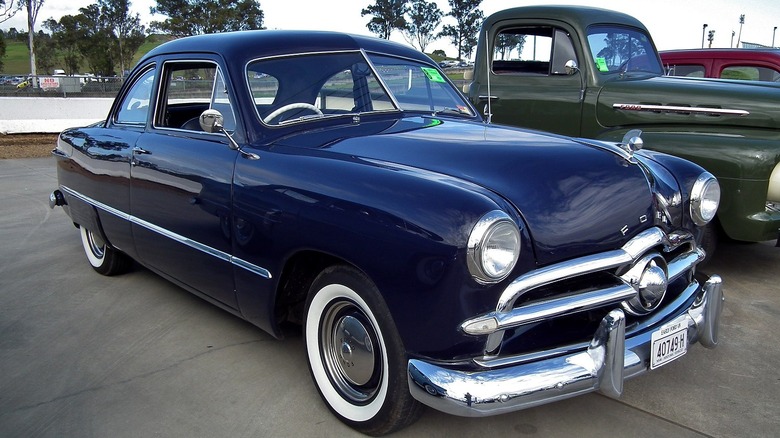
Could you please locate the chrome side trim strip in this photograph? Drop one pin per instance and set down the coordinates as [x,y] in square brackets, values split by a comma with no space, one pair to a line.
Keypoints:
[221,255]
[679,109]
[120,214]
[241,263]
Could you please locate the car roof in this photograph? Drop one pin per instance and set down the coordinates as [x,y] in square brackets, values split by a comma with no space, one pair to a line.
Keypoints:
[754,54]
[255,44]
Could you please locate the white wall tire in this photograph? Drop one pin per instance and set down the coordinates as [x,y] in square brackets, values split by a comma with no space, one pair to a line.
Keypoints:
[355,355]
[103,259]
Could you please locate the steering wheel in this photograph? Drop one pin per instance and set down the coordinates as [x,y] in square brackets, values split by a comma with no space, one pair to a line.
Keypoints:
[291,106]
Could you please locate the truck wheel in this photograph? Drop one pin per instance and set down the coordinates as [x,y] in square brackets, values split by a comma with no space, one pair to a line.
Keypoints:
[709,241]
[356,357]
[104,259]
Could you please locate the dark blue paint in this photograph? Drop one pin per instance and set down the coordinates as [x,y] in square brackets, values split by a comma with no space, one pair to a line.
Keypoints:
[393,194]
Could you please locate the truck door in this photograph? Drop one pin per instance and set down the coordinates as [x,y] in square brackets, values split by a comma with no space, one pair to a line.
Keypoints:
[528,78]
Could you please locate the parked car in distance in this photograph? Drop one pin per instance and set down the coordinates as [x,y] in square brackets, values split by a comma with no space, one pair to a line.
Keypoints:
[741,64]
[341,183]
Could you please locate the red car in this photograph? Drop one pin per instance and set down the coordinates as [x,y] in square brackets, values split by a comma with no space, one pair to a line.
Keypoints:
[743,64]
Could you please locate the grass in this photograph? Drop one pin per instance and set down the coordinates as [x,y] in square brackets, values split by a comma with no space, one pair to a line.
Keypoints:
[17,58]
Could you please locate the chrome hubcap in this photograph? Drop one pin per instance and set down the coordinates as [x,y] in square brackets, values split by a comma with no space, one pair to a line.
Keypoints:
[349,351]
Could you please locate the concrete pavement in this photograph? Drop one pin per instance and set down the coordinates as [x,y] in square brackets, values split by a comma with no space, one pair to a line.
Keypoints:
[134,355]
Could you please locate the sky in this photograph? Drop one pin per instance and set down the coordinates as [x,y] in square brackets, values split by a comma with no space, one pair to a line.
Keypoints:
[673,24]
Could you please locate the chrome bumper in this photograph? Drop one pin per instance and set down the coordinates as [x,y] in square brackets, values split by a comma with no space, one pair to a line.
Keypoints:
[602,366]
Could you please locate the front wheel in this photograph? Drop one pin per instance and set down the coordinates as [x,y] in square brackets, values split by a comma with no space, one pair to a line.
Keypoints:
[104,259]
[356,356]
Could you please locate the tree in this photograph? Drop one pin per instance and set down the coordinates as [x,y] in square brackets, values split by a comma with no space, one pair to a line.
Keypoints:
[507,42]
[45,56]
[387,15]
[95,40]
[423,19]
[33,7]
[2,50]
[9,8]
[65,36]
[468,20]
[195,17]
[126,28]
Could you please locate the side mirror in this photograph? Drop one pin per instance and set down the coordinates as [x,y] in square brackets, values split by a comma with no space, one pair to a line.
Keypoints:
[571,67]
[211,121]
[468,75]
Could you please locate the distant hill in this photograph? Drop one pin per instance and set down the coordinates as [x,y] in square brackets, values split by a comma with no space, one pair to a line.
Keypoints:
[17,58]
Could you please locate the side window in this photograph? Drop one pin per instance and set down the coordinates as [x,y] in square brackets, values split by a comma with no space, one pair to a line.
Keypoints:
[135,106]
[189,88]
[689,70]
[750,73]
[523,50]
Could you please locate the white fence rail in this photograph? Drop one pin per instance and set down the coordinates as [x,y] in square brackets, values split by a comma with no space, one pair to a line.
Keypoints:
[25,115]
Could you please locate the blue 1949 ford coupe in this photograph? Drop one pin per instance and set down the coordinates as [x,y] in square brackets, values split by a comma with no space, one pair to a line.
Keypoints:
[343,184]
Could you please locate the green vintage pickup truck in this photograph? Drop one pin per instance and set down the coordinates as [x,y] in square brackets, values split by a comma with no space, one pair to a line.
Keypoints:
[588,72]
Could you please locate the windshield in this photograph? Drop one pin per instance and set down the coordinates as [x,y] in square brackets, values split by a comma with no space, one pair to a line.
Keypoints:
[619,50]
[314,86]
[418,87]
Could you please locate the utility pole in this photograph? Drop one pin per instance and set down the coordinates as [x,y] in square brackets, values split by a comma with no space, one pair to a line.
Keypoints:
[703,29]
[732,39]
[773,36]
[741,22]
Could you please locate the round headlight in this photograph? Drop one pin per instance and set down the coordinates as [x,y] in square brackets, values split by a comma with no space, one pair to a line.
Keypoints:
[705,198]
[493,247]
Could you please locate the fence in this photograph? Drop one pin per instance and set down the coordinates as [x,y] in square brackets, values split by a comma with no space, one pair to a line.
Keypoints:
[59,86]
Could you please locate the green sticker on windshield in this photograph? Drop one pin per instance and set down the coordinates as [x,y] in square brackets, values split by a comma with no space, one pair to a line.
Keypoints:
[601,64]
[432,74]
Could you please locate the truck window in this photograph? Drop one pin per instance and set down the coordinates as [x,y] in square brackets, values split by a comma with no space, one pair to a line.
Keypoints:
[618,49]
[523,50]
[535,50]
[689,70]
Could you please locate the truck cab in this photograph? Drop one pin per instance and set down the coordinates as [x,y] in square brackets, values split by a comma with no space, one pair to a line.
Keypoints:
[595,73]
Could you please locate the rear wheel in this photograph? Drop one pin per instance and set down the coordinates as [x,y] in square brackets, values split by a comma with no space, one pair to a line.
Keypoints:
[355,354]
[104,259]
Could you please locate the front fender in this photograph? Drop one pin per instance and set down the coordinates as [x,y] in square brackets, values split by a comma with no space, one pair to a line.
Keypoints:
[743,161]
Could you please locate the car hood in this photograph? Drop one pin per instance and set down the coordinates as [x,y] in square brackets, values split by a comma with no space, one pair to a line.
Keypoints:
[640,100]
[574,198]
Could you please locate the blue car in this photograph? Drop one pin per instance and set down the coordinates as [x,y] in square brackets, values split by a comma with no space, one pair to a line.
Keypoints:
[342,184]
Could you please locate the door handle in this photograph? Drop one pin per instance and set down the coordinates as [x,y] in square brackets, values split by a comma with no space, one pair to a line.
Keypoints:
[140,151]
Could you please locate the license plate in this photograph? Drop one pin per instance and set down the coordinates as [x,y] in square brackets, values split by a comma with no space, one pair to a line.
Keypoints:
[669,343]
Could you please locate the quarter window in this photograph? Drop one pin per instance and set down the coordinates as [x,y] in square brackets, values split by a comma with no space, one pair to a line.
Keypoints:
[135,106]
